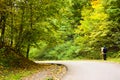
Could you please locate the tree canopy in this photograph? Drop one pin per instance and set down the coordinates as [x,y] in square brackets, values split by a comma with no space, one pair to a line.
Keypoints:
[60,29]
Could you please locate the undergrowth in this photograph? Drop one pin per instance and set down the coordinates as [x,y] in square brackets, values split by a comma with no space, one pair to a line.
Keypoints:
[14,66]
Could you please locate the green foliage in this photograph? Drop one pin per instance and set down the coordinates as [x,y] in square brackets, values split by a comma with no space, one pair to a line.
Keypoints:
[37,52]
[98,28]
[88,27]
[68,51]
[63,51]
[60,29]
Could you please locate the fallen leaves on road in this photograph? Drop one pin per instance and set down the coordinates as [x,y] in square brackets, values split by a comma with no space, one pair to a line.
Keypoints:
[49,72]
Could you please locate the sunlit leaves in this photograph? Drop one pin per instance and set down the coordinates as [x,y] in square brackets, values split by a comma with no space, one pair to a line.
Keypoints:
[94,26]
[99,16]
[96,3]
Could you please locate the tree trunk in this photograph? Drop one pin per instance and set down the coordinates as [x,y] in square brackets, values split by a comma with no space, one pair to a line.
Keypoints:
[31,24]
[3,23]
[20,38]
[11,41]
[28,50]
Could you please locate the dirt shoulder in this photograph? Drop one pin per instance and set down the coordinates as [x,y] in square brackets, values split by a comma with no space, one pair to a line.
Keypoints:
[49,71]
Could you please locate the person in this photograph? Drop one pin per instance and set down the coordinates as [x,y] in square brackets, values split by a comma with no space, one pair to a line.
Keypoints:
[104,51]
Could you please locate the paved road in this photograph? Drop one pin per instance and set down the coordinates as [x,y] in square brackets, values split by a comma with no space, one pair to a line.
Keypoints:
[90,70]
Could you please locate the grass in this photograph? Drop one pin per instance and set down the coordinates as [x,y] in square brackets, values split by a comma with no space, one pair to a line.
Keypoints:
[14,66]
[17,74]
[116,60]
[55,72]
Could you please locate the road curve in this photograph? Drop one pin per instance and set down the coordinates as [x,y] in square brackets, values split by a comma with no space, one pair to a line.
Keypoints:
[90,70]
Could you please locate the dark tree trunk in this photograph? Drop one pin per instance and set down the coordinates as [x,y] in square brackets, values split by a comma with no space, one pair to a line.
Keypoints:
[3,25]
[31,24]
[12,18]
[28,50]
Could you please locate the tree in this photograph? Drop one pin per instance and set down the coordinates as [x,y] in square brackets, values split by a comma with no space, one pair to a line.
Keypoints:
[113,10]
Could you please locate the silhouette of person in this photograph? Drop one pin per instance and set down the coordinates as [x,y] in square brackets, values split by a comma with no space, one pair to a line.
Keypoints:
[104,51]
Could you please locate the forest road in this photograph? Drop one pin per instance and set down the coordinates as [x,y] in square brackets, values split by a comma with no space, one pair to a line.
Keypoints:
[90,70]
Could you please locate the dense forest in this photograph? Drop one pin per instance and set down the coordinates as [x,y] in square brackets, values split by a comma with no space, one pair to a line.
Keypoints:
[59,29]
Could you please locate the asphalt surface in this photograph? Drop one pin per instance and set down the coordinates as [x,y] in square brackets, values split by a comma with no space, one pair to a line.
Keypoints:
[90,70]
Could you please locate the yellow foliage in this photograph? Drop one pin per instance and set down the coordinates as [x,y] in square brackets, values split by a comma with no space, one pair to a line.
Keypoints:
[78,30]
[99,10]
[99,16]
[97,4]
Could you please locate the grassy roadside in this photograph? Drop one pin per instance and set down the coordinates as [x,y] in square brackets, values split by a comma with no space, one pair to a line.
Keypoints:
[14,66]
[116,60]
[16,74]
